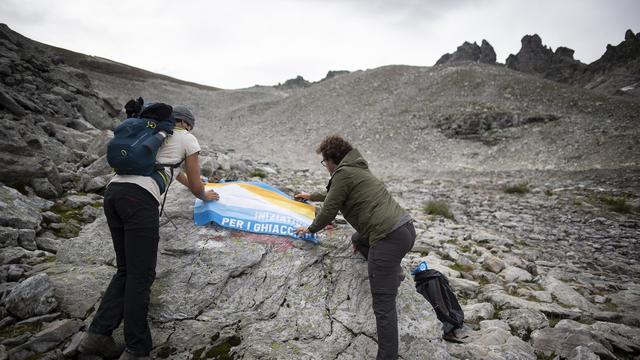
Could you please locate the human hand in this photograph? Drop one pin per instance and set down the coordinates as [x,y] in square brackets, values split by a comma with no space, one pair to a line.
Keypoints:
[211,195]
[301,231]
[302,196]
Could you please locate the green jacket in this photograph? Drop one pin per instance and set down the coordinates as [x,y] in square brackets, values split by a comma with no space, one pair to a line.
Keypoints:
[363,200]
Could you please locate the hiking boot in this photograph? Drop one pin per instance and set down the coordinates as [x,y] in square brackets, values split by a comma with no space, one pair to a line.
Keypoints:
[451,337]
[98,344]
[129,356]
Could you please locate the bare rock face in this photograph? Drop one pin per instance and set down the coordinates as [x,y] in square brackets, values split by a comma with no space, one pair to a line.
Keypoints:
[32,297]
[265,297]
[49,114]
[470,52]
[536,58]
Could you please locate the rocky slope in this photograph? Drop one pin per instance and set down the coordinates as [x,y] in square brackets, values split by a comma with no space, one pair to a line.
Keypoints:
[540,241]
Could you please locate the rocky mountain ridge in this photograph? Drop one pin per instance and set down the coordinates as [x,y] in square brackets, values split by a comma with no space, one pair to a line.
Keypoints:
[539,240]
[617,72]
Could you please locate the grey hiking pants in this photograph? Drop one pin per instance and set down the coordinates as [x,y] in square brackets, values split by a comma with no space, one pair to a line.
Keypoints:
[385,276]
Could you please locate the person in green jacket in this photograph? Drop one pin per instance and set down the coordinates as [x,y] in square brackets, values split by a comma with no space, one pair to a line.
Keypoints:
[384,230]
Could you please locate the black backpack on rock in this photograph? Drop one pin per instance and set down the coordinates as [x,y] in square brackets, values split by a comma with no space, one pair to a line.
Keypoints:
[434,286]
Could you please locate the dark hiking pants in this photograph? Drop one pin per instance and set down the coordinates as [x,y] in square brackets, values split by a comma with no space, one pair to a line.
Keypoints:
[385,276]
[132,215]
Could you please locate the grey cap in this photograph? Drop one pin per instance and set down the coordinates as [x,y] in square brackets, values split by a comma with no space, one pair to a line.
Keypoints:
[183,113]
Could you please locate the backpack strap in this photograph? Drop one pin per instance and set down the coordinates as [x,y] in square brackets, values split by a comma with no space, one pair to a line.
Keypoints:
[162,181]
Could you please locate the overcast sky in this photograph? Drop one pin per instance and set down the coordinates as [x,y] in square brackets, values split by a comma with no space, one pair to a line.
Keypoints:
[235,44]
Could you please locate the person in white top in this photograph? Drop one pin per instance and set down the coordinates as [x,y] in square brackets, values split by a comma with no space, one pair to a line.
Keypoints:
[131,207]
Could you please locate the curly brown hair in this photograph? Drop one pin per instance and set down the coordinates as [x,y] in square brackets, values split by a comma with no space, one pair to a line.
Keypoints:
[334,148]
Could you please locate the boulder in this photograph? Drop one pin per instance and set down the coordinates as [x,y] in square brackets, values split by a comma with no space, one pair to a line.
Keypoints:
[497,296]
[524,321]
[9,237]
[44,188]
[493,263]
[27,239]
[32,297]
[563,341]
[513,274]
[476,312]
[48,244]
[7,102]
[620,336]
[566,295]
[492,343]
[13,255]
[17,210]
[582,353]
[95,113]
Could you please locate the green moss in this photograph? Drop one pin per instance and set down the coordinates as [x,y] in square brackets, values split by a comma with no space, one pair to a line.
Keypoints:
[462,268]
[548,192]
[223,350]
[616,203]
[519,188]
[72,218]
[542,356]
[197,353]
[438,208]
[16,330]
[465,248]
[166,352]
[258,173]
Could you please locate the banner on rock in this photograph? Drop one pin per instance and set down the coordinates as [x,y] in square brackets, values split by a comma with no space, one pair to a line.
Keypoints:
[254,207]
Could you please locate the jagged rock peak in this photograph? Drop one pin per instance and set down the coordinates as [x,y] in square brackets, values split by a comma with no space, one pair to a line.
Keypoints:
[536,58]
[297,82]
[334,73]
[622,54]
[470,52]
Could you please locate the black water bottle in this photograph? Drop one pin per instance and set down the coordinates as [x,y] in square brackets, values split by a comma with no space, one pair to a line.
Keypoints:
[154,142]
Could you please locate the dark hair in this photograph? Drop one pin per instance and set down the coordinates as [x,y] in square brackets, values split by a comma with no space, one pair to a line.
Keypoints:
[334,148]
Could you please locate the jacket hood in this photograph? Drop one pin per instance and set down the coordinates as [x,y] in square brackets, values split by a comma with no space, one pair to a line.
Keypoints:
[353,159]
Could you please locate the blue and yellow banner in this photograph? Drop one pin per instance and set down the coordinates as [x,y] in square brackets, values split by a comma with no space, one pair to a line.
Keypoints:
[255,207]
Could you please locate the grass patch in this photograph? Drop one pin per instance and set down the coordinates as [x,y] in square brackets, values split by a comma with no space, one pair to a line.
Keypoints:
[462,268]
[223,351]
[258,173]
[438,208]
[553,320]
[519,188]
[616,203]
[17,330]
[542,356]
[548,192]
